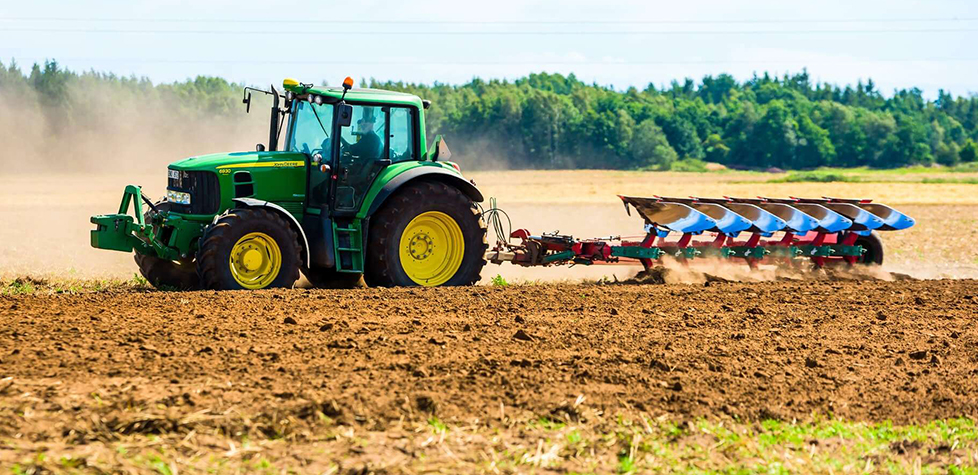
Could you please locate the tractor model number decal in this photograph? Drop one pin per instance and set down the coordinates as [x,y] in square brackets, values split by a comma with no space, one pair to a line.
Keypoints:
[283,164]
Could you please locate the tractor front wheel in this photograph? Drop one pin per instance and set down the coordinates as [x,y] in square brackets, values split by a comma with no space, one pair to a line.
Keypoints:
[162,273]
[166,275]
[427,234]
[248,249]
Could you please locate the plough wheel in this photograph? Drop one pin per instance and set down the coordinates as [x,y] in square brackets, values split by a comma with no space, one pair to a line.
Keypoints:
[874,249]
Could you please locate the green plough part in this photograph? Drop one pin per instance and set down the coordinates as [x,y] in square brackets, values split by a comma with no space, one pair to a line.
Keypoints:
[830,250]
[784,251]
[710,251]
[123,232]
[856,251]
[560,256]
[745,252]
[636,252]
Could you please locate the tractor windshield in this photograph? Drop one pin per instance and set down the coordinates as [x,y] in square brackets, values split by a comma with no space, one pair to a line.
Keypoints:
[310,128]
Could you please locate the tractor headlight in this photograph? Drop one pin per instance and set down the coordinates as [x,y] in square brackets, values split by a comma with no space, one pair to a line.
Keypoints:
[178,197]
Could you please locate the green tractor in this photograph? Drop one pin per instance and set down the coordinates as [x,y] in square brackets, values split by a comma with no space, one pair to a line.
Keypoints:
[353,195]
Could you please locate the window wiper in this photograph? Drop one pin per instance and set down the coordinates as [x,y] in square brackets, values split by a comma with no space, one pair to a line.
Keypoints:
[321,126]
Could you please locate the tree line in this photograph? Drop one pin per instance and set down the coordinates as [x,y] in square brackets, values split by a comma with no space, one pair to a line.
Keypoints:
[547,121]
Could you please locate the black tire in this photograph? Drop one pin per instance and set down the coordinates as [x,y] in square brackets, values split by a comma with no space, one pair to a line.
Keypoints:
[219,238]
[168,275]
[874,249]
[164,274]
[383,263]
[330,279]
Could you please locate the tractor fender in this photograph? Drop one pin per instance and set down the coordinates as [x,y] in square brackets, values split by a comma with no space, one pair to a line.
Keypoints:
[424,173]
[253,203]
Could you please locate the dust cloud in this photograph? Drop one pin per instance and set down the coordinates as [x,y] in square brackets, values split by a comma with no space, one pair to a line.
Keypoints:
[476,153]
[65,161]
[672,271]
[101,128]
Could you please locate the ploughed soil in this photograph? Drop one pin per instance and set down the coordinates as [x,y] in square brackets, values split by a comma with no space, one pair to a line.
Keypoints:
[93,366]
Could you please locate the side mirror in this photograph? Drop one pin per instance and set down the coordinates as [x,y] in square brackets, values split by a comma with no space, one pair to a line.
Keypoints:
[260,147]
[344,115]
[440,150]
[247,102]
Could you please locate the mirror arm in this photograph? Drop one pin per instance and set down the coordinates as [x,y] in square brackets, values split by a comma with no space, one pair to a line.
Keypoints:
[246,100]
[273,123]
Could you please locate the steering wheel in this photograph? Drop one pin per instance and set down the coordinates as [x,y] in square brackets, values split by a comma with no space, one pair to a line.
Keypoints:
[345,150]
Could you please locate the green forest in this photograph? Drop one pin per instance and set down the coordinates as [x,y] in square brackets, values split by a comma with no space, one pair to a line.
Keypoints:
[546,121]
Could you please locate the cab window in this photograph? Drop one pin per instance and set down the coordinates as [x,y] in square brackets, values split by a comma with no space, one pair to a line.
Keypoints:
[365,139]
[310,129]
[402,134]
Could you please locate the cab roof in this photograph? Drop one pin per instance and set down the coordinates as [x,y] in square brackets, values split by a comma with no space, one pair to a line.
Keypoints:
[361,95]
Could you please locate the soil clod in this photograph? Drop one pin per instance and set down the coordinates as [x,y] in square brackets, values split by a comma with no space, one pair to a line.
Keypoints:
[522,336]
[425,403]
[918,355]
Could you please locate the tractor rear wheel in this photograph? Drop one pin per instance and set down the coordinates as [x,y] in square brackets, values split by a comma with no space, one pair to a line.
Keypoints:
[427,234]
[874,249]
[248,249]
[330,279]
[162,273]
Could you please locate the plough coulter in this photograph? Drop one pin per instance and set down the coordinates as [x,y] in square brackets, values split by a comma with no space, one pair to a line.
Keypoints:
[787,232]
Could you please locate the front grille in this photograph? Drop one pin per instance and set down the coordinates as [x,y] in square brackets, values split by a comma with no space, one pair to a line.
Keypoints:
[204,189]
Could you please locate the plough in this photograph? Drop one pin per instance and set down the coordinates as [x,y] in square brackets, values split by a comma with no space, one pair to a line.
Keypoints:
[823,231]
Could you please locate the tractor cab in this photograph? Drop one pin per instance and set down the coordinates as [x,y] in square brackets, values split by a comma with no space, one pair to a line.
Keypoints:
[349,135]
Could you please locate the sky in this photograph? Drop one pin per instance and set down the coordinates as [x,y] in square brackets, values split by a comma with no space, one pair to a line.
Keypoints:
[898,43]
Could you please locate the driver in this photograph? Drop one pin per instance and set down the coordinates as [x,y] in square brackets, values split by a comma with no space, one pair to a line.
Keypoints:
[369,145]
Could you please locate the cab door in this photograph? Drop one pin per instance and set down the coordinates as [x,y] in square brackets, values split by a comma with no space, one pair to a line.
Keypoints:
[364,152]
[309,133]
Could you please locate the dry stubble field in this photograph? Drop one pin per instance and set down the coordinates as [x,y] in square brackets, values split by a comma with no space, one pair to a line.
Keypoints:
[820,375]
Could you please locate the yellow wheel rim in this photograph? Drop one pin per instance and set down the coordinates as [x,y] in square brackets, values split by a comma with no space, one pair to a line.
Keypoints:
[255,261]
[431,248]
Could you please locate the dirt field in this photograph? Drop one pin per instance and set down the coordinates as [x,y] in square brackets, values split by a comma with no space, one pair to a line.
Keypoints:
[187,374]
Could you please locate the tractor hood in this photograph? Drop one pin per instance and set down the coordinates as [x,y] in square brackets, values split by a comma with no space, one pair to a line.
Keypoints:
[241,160]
